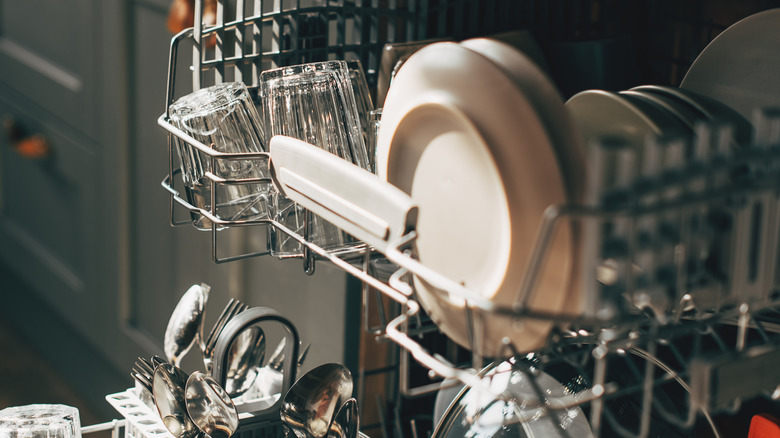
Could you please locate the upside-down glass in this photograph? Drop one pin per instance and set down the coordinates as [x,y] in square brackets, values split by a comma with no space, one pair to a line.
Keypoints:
[315,103]
[372,135]
[40,421]
[357,77]
[225,118]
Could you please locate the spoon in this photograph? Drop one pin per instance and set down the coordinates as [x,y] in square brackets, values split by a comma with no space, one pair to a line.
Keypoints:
[186,323]
[168,388]
[346,422]
[310,404]
[210,407]
[245,356]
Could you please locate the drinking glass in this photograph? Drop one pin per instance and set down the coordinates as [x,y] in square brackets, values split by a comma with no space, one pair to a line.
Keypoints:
[372,135]
[357,77]
[315,103]
[225,118]
[40,421]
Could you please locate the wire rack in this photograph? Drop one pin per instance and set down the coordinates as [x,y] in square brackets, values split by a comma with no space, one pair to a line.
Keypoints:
[680,261]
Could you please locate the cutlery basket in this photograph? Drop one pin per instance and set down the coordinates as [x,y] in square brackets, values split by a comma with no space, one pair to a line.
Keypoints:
[257,418]
[141,421]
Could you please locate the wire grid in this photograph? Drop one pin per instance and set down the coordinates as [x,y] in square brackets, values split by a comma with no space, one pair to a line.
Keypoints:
[250,36]
[649,377]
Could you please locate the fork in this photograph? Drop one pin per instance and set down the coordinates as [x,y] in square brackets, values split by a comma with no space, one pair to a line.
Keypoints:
[233,308]
[143,372]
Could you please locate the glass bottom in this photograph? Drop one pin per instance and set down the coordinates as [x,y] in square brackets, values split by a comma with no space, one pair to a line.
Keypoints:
[322,233]
[244,202]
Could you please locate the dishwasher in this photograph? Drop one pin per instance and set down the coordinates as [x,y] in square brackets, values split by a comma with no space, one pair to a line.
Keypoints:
[664,314]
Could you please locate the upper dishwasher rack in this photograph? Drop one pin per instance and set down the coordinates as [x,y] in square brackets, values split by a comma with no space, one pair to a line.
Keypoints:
[680,342]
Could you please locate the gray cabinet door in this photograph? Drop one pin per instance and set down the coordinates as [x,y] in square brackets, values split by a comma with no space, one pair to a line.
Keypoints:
[51,217]
[49,52]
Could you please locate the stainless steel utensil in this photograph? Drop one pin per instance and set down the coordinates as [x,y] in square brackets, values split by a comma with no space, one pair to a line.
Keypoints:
[233,308]
[157,361]
[145,366]
[346,422]
[168,387]
[186,323]
[244,359]
[309,406]
[210,407]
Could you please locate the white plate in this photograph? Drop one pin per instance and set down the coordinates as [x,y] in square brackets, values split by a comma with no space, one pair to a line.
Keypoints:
[467,145]
[684,113]
[557,121]
[709,108]
[547,101]
[599,114]
[739,67]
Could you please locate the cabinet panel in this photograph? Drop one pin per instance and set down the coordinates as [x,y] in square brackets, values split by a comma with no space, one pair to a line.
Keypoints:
[49,225]
[48,51]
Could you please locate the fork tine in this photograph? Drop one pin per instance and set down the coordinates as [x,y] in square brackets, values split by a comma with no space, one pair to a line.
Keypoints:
[144,365]
[157,360]
[235,307]
[222,317]
[142,380]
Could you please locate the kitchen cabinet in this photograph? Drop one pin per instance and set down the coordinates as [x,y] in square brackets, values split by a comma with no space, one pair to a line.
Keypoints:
[58,79]
[86,229]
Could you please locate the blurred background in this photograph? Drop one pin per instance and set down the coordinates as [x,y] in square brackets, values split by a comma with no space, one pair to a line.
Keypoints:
[90,268]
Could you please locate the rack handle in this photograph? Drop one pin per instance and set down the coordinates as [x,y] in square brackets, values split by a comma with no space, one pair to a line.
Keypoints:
[32,146]
[233,330]
[351,198]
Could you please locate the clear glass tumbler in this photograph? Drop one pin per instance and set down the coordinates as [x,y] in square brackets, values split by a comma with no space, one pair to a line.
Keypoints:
[225,118]
[40,421]
[372,135]
[315,103]
[357,77]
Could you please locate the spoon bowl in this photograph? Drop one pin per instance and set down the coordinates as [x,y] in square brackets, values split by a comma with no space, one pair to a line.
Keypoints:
[210,407]
[168,386]
[186,323]
[309,406]
[346,422]
[245,357]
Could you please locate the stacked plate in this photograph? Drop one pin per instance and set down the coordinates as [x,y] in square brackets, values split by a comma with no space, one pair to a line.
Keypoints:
[477,135]
[739,66]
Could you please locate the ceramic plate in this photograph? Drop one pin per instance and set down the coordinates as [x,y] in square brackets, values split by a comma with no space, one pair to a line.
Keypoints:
[684,113]
[739,67]
[557,121]
[598,114]
[709,108]
[465,142]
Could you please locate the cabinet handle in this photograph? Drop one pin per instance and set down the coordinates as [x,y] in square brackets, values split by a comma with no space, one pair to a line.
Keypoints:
[34,146]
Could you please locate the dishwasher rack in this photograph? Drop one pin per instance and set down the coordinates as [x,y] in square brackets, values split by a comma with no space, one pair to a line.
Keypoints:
[712,322]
